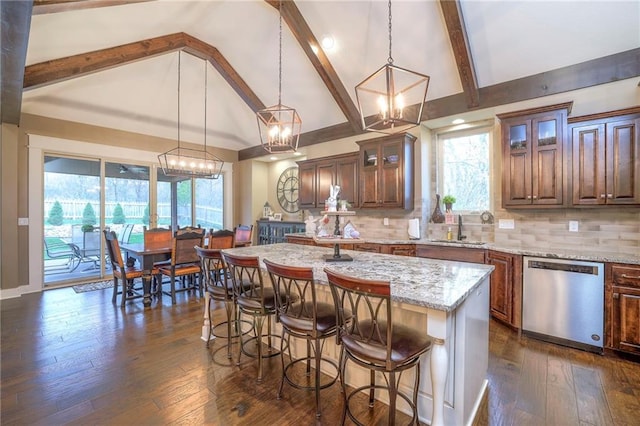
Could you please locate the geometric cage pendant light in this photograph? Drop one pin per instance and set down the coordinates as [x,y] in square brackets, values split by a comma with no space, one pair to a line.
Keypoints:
[191,162]
[279,125]
[391,99]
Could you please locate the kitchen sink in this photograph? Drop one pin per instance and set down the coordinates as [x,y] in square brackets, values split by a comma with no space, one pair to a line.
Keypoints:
[464,242]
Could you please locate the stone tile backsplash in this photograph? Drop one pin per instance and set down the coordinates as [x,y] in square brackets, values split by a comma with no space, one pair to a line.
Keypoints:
[606,230]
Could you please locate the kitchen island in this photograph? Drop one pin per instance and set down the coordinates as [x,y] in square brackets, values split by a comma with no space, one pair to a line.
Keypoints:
[448,300]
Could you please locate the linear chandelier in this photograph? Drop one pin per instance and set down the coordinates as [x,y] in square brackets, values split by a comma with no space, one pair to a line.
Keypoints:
[190,162]
[391,99]
[279,125]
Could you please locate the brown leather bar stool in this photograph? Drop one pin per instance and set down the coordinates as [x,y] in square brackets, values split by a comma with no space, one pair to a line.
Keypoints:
[370,339]
[255,300]
[302,317]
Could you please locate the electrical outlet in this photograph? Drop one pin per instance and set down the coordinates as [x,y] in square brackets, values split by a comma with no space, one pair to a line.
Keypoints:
[573,226]
[385,221]
[507,224]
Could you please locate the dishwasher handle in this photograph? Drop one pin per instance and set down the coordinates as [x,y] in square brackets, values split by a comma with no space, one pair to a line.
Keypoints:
[565,267]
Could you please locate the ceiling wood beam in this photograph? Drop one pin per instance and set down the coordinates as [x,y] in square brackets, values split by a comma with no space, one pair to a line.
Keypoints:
[57,70]
[619,66]
[461,51]
[42,7]
[15,19]
[301,31]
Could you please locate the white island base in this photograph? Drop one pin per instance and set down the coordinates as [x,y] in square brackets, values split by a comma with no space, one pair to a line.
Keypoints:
[453,374]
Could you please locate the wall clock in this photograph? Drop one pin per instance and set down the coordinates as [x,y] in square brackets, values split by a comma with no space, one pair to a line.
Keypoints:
[288,190]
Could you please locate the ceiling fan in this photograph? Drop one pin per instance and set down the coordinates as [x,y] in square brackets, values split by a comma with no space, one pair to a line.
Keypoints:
[133,169]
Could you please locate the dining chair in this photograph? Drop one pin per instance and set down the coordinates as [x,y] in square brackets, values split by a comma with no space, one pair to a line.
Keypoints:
[221,239]
[243,235]
[302,316]
[184,261]
[255,300]
[122,272]
[369,337]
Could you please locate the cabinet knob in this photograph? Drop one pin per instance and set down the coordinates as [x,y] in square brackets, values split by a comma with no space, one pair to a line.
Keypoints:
[609,196]
[602,196]
[535,197]
[528,197]
[616,295]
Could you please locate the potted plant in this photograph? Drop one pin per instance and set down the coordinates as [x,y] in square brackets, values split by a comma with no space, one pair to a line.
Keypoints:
[448,201]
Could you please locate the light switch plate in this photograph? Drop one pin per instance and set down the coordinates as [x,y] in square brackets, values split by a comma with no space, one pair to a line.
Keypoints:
[385,221]
[573,226]
[507,224]
[23,221]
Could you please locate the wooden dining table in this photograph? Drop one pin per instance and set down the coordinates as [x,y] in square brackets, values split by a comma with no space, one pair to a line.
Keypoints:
[147,255]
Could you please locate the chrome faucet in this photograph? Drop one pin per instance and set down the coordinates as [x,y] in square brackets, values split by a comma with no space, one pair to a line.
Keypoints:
[460,236]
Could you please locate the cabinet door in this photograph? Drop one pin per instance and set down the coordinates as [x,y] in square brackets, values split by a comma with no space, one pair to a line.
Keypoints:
[623,162]
[588,145]
[347,178]
[369,177]
[325,177]
[369,247]
[390,186]
[307,186]
[546,156]
[500,293]
[516,167]
[626,319]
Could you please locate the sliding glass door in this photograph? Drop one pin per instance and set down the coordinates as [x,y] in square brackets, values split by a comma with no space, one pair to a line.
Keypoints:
[72,218]
[127,208]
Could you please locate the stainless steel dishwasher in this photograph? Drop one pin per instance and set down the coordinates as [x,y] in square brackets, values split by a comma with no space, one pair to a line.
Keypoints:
[563,302]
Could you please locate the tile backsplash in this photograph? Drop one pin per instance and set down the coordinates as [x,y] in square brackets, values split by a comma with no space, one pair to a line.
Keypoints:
[605,230]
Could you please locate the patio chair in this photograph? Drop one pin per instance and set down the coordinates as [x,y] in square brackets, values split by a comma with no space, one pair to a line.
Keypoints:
[61,250]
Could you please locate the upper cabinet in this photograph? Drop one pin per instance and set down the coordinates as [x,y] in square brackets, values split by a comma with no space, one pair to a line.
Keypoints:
[533,147]
[386,172]
[315,178]
[606,158]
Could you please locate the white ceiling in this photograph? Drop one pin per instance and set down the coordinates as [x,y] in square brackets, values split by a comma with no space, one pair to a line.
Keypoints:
[507,40]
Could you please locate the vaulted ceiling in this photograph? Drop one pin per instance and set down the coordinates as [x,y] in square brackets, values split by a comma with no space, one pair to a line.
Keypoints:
[114,63]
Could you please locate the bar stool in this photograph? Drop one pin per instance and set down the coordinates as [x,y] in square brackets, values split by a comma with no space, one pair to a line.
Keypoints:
[302,317]
[370,339]
[255,300]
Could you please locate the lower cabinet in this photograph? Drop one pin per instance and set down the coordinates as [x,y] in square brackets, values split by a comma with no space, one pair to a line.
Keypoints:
[505,295]
[369,247]
[399,249]
[457,254]
[622,307]
[272,232]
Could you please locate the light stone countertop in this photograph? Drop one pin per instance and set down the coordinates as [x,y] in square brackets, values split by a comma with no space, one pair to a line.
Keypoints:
[585,255]
[437,284]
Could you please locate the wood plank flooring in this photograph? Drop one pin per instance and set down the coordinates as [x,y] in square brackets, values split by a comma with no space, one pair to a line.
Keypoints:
[70,358]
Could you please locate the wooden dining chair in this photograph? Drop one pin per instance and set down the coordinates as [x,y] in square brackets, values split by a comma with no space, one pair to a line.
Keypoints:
[243,235]
[184,261]
[221,239]
[121,272]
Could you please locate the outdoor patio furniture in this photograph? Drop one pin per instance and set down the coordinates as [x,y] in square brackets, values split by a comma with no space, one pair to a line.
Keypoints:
[58,250]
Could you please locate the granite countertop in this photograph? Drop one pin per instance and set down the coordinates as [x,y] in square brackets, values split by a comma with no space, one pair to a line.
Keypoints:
[585,255]
[436,284]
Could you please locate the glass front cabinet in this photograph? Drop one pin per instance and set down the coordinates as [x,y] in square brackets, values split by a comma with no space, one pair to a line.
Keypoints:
[533,144]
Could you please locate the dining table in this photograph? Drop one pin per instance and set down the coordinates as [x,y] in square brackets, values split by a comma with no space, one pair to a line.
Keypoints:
[147,255]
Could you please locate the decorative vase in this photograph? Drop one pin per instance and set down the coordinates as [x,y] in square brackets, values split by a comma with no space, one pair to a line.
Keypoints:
[437,216]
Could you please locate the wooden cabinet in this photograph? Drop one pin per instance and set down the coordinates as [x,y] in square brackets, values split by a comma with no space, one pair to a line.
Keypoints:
[316,176]
[300,239]
[606,159]
[272,232]
[505,295]
[399,249]
[622,307]
[458,254]
[386,172]
[533,145]
[368,247]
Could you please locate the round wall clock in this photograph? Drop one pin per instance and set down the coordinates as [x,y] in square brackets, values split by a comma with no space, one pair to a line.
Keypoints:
[287,190]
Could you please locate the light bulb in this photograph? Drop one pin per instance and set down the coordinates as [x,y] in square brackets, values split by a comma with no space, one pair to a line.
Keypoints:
[172,162]
[182,163]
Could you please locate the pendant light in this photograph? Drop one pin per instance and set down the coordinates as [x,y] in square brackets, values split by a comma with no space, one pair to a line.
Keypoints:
[279,125]
[391,99]
[188,162]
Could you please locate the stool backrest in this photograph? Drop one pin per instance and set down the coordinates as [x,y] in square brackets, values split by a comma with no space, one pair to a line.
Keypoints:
[213,269]
[246,276]
[295,293]
[363,313]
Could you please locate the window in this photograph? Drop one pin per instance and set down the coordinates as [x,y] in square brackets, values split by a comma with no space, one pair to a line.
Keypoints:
[464,168]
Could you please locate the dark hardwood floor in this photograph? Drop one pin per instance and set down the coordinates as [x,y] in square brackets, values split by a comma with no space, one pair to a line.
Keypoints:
[70,358]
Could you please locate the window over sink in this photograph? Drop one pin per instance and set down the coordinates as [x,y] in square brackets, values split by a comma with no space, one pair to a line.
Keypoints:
[463,164]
